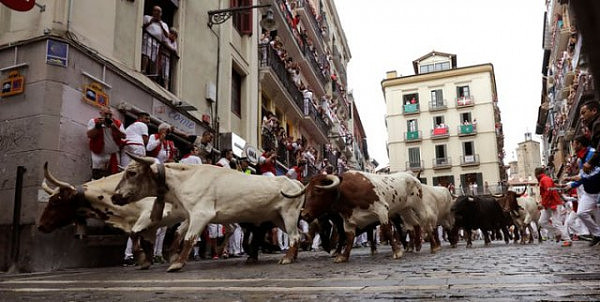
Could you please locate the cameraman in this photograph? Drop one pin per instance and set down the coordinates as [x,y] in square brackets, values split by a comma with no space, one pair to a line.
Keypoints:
[105,134]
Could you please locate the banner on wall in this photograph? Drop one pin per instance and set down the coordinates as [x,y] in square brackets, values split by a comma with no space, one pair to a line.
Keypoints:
[173,117]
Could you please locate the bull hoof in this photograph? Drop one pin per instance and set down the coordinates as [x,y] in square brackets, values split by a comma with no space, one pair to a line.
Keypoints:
[453,246]
[487,244]
[175,267]
[469,246]
[335,254]
[340,259]
[435,249]
[373,252]
[285,260]
[146,265]
[398,254]
[173,258]
[251,260]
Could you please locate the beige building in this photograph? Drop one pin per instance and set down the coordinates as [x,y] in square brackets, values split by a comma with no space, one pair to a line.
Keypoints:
[444,122]
[528,158]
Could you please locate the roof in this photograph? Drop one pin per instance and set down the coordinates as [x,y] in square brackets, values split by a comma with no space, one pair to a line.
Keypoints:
[431,54]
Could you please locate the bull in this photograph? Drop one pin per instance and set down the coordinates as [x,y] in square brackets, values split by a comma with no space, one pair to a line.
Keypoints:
[92,200]
[213,194]
[361,199]
[478,212]
[523,210]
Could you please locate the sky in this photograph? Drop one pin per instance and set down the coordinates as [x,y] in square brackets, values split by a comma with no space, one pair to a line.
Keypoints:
[385,35]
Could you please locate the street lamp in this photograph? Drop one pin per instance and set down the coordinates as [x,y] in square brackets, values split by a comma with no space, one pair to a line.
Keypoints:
[219,16]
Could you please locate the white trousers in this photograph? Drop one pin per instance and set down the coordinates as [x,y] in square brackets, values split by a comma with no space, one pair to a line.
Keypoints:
[129,249]
[135,149]
[552,221]
[284,239]
[235,241]
[574,225]
[158,243]
[585,211]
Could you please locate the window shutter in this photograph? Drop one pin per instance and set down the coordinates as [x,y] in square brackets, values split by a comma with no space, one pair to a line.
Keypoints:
[246,19]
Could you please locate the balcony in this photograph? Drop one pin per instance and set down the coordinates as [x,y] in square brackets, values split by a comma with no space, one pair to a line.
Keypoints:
[413,136]
[465,101]
[415,165]
[283,88]
[307,13]
[411,108]
[161,60]
[467,130]
[469,160]
[438,105]
[316,67]
[442,163]
[440,132]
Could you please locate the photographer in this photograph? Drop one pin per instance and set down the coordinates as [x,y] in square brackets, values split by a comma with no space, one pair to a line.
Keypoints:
[105,134]
[160,146]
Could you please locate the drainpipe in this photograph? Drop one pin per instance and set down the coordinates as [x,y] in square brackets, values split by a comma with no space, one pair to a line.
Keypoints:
[16,223]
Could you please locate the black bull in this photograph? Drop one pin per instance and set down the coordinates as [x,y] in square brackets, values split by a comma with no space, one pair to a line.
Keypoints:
[476,212]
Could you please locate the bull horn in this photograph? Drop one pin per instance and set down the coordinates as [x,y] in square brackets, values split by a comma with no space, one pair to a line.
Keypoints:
[521,194]
[498,195]
[47,188]
[140,159]
[294,195]
[55,181]
[453,196]
[335,182]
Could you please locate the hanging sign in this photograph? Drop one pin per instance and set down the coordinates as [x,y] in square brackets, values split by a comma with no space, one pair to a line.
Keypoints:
[19,5]
[95,95]
[14,84]
[57,53]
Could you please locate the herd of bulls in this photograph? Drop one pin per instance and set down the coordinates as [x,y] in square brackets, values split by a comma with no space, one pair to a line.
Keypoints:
[147,196]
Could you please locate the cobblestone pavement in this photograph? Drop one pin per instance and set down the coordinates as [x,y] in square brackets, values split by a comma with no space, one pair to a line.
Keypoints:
[538,272]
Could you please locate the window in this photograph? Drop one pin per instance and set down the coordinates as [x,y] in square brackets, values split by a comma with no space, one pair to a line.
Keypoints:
[236,93]
[426,68]
[440,153]
[412,98]
[438,121]
[463,91]
[442,66]
[414,157]
[468,149]
[443,180]
[437,98]
[465,117]
[412,125]
[242,21]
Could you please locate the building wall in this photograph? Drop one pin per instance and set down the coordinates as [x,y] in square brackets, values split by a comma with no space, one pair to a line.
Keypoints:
[48,121]
[528,156]
[480,80]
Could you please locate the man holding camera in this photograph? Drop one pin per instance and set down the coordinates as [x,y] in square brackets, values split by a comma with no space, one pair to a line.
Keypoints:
[105,134]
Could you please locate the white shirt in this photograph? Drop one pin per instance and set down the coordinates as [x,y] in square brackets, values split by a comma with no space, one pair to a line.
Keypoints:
[191,160]
[155,28]
[223,162]
[135,132]
[164,152]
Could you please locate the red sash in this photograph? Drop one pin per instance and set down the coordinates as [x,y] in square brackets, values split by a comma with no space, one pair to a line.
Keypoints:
[169,145]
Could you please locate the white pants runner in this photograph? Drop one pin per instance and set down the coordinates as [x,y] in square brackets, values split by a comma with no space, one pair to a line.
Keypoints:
[556,226]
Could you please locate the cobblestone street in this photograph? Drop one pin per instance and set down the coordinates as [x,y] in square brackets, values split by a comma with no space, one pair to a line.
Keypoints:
[545,272]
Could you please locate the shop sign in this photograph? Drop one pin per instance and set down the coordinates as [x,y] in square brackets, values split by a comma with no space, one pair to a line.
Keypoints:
[173,117]
[14,84]
[19,5]
[251,154]
[95,95]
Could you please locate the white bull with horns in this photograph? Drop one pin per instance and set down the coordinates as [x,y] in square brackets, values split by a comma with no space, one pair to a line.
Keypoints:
[213,194]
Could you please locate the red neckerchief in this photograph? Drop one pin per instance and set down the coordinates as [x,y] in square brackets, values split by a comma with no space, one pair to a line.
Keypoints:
[581,153]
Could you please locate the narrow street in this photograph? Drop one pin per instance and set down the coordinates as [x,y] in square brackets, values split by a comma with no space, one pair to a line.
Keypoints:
[496,273]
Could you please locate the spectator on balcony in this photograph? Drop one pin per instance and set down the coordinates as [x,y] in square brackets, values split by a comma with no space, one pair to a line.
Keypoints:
[590,116]
[159,30]
[165,61]
[341,165]
[308,98]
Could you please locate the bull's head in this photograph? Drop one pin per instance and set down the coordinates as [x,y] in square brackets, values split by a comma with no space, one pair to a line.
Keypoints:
[139,181]
[510,203]
[62,205]
[321,192]
[463,208]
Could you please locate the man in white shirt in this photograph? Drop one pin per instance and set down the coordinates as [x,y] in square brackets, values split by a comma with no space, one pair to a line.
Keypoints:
[159,30]
[226,160]
[159,146]
[137,138]
[192,158]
